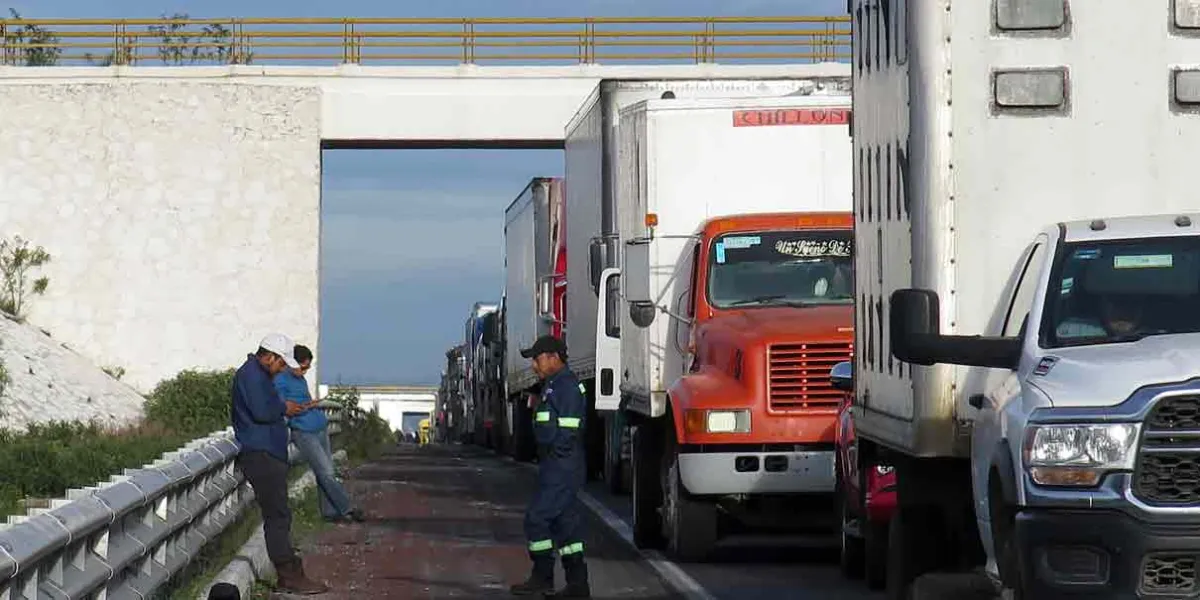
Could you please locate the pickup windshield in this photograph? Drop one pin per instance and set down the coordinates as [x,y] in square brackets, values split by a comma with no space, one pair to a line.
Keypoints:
[781,268]
[1122,291]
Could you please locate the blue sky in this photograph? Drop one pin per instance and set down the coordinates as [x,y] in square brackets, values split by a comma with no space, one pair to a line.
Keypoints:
[390,311]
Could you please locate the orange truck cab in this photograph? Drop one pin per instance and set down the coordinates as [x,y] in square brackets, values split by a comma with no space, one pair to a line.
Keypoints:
[749,439]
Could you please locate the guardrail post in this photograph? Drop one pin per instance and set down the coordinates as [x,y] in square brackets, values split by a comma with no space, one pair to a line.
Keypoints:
[468,42]
[4,50]
[351,50]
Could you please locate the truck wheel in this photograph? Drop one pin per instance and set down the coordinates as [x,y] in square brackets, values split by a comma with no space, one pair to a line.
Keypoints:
[690,522]
[614,471]
[875,549]
[912,548]
[647,496]
[852,558]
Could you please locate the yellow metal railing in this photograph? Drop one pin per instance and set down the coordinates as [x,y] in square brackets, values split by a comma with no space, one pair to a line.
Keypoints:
[185,41]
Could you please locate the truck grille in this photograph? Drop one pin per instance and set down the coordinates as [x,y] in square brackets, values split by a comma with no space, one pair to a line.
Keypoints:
[1168,466]
[1169,574]
[798,376]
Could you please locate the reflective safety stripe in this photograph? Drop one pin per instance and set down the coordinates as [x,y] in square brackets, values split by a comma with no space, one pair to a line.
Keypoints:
[582,390]
[542,546]
[543,416]
[569,422]
[575,548]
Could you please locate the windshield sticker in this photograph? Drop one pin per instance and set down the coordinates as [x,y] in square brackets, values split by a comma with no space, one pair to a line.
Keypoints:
[813,248]
[1144,261]
[1088,254]
[720,253]
[1067,284]
[740,242]
[1043,367]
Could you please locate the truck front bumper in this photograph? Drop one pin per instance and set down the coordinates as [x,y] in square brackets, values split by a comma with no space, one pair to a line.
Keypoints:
[1100,554]
[723,473]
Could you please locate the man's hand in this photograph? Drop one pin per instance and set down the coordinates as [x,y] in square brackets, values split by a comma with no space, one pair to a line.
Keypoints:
[294,409]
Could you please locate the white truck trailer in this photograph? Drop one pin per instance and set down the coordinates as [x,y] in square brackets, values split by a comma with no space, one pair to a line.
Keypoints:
[533,241]
[591,165]
[1026,361]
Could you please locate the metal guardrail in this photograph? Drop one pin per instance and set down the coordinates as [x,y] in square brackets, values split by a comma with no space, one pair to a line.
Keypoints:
[126,537]
[183,41]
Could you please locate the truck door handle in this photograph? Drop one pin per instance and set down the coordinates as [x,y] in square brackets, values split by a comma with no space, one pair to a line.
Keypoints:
[978,401]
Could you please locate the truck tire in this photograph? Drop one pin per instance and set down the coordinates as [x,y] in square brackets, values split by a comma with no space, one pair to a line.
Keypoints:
[914,536]
[691,523]
[647,487]
[852,551]
[875,554]
[614,470]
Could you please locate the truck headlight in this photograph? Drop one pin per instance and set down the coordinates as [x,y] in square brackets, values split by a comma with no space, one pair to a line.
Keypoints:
[1079,454]
[718,421]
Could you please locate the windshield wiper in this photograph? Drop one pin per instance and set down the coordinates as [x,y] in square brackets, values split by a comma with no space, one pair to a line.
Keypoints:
[759,299]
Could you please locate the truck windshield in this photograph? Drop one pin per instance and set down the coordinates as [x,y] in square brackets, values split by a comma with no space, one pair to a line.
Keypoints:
[781,268]
[1122,291]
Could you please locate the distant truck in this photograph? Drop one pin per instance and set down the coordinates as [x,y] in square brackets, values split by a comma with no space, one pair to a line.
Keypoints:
[1028,277]
[480,372]
[450,404]
[592,158]
[736,292]
[534,298]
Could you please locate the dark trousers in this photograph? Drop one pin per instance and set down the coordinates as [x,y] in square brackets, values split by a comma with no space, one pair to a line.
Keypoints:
[268,476]
[553,520]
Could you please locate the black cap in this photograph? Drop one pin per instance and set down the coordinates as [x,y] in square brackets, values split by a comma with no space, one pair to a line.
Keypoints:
[544,344]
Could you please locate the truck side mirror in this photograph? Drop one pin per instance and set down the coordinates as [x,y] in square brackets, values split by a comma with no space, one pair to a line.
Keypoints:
[597,262]
[635,281]
[916,336]
[841,376]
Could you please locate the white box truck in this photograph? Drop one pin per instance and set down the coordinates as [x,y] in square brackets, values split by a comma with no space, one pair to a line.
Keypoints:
[1027,346]
[591,159]
[734,218]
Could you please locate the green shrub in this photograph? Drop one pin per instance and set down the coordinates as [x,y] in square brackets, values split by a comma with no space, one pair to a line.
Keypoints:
[195,403]
[365,435]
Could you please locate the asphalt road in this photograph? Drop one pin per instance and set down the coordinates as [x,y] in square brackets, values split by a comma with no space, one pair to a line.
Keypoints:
[767,568]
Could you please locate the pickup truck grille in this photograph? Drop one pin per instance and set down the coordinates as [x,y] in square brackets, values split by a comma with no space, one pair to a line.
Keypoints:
[798,376]
[1168,465]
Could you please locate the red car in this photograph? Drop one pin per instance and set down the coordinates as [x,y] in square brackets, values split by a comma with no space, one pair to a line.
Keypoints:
[866,500]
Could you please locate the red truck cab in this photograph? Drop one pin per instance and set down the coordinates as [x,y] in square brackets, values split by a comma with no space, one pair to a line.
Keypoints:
[754,415]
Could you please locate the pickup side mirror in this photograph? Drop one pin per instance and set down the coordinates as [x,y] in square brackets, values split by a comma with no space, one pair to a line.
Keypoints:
[916,336]
[841,376]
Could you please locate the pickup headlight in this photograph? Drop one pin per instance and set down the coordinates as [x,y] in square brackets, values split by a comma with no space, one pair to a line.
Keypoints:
[718,421]
[1079,454]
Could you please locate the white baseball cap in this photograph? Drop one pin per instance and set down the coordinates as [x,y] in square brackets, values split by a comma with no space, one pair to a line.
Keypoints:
[283,346]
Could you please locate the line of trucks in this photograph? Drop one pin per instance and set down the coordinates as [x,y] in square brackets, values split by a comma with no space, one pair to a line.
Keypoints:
[953,317]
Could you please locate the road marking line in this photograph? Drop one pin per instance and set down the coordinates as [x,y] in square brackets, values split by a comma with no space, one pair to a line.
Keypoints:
[675,576]
[669,571]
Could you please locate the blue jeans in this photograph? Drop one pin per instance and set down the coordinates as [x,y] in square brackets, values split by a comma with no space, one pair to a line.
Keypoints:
[314,448]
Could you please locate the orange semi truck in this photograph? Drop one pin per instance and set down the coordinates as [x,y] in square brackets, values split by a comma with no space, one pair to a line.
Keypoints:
[734,299]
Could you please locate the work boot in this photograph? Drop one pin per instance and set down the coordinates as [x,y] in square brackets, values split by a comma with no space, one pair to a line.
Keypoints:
[577,579]
[292,580]
[541,578]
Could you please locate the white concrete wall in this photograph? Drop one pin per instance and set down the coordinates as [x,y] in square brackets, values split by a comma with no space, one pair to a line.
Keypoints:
[182,217]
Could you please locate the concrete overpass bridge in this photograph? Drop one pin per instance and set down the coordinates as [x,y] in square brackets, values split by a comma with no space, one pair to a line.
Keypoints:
[402,406]
[181,203]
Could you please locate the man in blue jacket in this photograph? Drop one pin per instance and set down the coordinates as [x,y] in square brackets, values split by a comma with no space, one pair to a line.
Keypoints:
[258,424]
[554,520]
[310,432]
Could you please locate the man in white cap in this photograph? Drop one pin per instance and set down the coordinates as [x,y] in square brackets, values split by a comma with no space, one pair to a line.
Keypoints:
[259,426]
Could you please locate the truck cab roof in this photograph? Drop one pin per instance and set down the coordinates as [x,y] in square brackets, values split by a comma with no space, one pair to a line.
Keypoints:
[763,221]
[1144,226]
